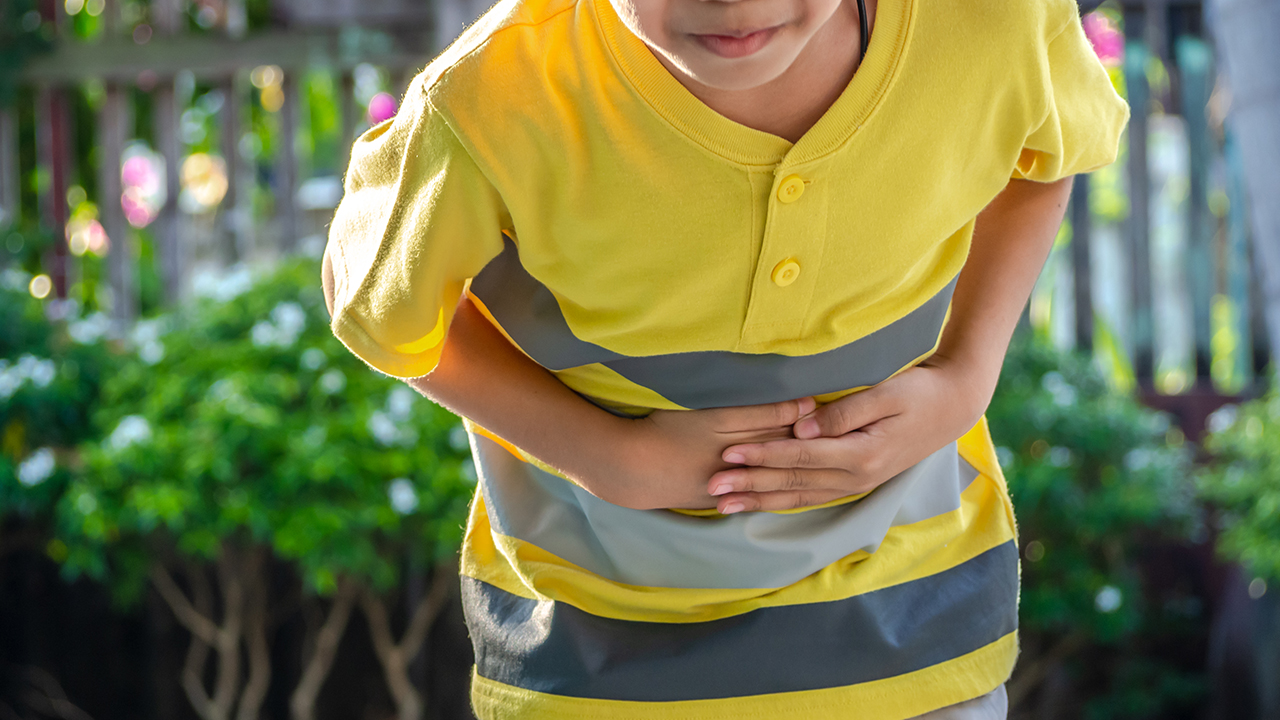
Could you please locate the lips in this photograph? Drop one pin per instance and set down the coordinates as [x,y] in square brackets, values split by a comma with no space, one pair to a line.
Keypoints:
[737,46]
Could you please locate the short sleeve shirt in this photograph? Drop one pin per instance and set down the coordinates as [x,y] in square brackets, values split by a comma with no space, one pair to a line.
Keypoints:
[654,254]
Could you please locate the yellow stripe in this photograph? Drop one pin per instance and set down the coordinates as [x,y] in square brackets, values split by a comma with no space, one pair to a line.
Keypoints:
[909,552]
[622,395]
[895,698]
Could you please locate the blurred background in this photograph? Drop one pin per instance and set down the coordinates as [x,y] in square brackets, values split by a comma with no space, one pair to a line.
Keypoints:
[209,509]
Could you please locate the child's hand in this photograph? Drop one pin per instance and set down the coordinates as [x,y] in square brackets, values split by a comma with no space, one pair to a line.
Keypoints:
[666,460]
[854,444]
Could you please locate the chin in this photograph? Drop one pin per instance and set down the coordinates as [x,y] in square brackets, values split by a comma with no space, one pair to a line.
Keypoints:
[735,75]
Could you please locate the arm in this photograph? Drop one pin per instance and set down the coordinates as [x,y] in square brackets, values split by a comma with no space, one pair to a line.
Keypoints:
[860,441]
[662,460]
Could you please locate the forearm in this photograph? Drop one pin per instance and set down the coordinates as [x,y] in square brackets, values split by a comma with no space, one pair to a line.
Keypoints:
[1011,239]
[483,377]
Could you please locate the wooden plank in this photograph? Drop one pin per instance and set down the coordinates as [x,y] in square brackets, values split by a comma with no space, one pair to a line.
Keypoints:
[215,56]
[1138,227]
[1195,70]
[10,194]
[232,241]
[53,155]
[287,164]
[168,243]
[1082,269]
[112,123]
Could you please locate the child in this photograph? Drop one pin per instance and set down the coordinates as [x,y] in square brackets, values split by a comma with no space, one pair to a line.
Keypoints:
[712,221]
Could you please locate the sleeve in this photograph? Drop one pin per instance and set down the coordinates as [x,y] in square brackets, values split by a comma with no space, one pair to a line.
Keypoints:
[418,219]
[1081,130]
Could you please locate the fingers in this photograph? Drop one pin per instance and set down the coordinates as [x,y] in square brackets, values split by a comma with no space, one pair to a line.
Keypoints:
[842,452]
[762,417]
[773,501]
[847,414]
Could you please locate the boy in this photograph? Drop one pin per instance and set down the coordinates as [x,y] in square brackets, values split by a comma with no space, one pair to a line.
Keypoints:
[713,221]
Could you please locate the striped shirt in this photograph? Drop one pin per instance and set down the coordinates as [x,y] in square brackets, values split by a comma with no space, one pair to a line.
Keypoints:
[656,255]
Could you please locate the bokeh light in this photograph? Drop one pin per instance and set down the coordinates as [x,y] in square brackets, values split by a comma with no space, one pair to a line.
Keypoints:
[204,182]
[381,107]
[40,287]
[269,80]
[144,192]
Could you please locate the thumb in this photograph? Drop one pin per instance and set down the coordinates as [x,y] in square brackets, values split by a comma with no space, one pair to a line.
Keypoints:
[842,416]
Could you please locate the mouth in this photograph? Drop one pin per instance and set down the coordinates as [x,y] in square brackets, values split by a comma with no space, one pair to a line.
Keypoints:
[737,46]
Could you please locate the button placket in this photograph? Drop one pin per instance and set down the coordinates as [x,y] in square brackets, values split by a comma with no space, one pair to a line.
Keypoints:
[790,256]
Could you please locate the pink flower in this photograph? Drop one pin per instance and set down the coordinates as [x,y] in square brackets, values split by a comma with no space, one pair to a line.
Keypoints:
[381,107]
[1106,38]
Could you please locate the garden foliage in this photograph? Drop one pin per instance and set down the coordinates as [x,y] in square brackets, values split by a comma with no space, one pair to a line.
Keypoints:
[1096,480]
[1243,482]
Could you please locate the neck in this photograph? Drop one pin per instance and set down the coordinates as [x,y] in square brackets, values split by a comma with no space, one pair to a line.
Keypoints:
[790,104]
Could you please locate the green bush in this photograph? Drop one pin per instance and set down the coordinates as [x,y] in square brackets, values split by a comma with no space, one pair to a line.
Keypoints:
[241,431]
[1095,478]
[1243,482]
[51,371]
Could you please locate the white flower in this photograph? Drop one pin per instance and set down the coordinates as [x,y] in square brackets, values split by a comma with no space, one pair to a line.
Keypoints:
[133,429]
[1109,599]
[404,499]
[383,428]
[264,334]
[1064,394]
[14,279]
[151,352]
[11,380]
[37,468]
[333,382]
[91,329]
[1060,457]
[289,317]
[1222,419]
[1137,459]
[312,359]
[400,402]
[223,286]
[42,373]
[145,331]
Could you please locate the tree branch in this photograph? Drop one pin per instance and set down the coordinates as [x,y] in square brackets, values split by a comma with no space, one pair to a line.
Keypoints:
[199,625]
[302,702]
[227,642]
[255,690]
[1031,675]
[429,608]
[198,652]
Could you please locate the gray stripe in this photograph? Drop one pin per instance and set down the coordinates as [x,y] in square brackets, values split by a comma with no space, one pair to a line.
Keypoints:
[556,648]
[531,316]
[660,548]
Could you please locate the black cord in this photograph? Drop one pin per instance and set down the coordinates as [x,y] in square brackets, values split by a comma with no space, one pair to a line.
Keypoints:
[864,29]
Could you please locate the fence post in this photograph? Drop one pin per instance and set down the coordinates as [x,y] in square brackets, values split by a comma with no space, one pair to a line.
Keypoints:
[10,195]
[113,117]
[1081,266]
[1139,222]
[53,152]
[287,164]
[169,251]
[1194,66]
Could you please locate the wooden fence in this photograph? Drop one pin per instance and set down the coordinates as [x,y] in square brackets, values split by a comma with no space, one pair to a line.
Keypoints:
[1162,287]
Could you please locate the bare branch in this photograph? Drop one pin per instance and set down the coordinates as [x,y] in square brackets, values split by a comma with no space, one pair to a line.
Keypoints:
[257,619]
[302,702]
[199,625]
[429,608]
[227,642]
[198,652]
[1031,675]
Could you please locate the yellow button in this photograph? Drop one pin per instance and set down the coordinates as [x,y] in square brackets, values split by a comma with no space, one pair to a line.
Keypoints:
[786,273]
[791,189]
